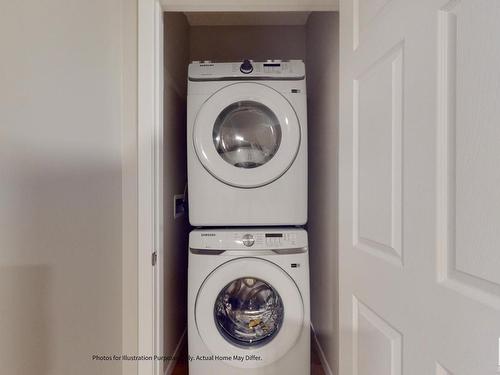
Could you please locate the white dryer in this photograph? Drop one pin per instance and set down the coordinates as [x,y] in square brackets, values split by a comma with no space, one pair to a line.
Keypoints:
[247,143]
[248,302]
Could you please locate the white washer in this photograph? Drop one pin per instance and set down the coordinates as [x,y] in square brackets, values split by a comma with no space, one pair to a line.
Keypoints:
[248,302]
[247,143]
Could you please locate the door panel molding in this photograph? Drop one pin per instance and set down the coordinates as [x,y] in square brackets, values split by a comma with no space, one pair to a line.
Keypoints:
[388,245]
[440,370]
[362,18]
[393,338]
[449,272]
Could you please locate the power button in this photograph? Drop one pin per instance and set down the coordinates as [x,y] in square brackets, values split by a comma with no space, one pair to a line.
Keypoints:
[248,240]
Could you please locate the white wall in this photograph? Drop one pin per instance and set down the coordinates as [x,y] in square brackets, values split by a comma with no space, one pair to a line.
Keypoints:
[323,87]
[175,177]
[62,76]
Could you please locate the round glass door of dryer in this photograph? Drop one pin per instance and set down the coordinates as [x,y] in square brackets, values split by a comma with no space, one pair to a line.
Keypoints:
[246,135]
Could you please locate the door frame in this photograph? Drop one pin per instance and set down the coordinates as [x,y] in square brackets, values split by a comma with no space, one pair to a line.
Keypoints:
[150,182]
[150,155]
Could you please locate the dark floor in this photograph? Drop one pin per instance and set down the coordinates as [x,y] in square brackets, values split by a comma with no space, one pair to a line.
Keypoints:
[182,364]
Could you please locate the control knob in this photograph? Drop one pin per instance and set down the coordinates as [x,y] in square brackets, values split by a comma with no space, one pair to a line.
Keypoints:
[246,67]
[248,240]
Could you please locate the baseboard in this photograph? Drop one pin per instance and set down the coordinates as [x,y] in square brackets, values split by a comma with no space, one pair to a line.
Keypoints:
[321,353]
[171,364]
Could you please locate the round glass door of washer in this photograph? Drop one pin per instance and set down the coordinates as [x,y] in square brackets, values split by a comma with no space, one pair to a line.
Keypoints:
[248,312]
[246,135]
[249,306]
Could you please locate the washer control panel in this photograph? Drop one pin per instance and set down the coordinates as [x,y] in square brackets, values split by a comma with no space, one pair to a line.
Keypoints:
[245,239]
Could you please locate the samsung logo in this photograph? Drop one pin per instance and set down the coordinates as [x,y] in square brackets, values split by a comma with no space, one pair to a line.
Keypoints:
[208,234]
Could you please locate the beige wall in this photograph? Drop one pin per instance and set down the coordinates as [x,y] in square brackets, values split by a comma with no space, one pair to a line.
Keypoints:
[175,178]
[62,80]
[323,87]
[235,43]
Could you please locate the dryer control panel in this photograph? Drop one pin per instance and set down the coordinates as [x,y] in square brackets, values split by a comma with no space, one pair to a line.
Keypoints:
[248,238]
[247,70]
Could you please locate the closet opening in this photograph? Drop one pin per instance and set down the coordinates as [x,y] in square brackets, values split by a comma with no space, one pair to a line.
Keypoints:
[312,37]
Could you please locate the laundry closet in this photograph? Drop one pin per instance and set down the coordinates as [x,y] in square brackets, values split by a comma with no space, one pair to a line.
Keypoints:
[401,172]
[266,36]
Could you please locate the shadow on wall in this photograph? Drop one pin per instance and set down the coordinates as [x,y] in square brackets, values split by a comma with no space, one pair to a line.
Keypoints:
[60,256]
[24,319]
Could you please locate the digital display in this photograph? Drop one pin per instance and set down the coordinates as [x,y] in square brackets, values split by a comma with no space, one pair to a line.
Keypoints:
[272,64]
[274,235]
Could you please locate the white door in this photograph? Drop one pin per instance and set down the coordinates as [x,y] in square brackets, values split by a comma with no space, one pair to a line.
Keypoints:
[246,134]
[420,187]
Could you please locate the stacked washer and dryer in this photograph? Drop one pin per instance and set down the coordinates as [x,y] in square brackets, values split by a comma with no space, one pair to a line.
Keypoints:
[248,277]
